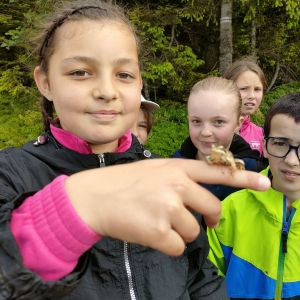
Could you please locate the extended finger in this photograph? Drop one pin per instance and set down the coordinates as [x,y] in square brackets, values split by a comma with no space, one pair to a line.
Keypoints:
[215,174]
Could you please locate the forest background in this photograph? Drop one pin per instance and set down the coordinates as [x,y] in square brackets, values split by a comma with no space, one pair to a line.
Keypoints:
[182,42]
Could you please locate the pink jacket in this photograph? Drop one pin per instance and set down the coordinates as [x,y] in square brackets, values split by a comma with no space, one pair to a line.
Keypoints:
[252,134]
[47,228]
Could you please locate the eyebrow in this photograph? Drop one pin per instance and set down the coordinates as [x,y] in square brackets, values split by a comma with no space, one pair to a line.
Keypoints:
[126,61]
[81,59]
[94,61]
[285,139]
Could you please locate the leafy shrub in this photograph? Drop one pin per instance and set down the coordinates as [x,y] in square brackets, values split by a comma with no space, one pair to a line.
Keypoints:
[259,117]
[170,129]
[20,120]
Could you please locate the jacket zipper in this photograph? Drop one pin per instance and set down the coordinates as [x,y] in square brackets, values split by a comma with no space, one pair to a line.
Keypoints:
[101,160]
[128,271]
[126,256]
[283,249]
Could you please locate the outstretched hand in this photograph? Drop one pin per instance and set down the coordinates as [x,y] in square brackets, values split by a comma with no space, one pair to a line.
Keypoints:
[148,202]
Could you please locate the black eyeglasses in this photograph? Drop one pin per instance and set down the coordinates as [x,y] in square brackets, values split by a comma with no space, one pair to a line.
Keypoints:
[279,147]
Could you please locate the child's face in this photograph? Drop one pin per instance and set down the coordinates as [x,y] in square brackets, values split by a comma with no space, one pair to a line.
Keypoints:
[94,81]
[286,170]
[212,120]
[251,89]
[139,128]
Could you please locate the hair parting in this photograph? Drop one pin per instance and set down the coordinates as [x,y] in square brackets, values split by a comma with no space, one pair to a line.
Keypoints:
[222,85]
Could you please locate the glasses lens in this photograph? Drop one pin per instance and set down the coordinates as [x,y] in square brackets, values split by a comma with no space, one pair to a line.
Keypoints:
[278,147]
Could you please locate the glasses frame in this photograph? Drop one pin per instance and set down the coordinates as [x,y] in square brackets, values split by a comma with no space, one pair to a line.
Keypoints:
[290,147]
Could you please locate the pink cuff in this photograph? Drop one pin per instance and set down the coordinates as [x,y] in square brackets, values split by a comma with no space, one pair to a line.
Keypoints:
[50,234]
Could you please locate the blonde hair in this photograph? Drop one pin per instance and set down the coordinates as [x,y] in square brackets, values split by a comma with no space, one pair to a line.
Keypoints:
[220,84]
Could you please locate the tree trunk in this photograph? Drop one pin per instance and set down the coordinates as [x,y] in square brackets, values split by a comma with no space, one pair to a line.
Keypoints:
[275,75]
[253,38]
[226,36]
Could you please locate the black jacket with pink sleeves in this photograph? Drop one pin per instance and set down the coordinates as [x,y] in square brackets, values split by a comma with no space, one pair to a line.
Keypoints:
[112,269]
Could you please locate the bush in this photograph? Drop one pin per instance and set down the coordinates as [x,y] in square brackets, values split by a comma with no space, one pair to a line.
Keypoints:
[259,117]
[20,120]
[170,129]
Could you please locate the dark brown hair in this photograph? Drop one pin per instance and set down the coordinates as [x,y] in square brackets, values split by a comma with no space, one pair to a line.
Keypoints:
[288,105]
[96,10]
[240,66]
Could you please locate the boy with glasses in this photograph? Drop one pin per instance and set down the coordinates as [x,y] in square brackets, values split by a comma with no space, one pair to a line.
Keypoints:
[257,243]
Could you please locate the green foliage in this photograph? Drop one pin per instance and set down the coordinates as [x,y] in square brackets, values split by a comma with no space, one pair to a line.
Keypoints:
[292,10]
[170,129]
[11,81]
[165,62]
[20,120]
[270,98]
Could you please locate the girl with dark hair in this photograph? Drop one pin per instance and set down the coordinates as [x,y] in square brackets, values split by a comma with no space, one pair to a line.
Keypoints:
[73,224]
[251,82]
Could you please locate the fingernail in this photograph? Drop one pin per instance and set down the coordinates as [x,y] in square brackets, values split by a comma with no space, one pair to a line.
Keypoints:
[264,183]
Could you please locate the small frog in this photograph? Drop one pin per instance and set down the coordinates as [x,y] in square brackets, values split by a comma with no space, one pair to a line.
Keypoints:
[221,156]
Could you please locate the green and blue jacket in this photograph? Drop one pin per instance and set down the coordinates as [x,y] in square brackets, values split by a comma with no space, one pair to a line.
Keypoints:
[257,245]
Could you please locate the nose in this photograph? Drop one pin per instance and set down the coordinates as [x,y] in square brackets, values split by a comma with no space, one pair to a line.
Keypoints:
[206,130]
[105,88]
[251,94]
[292,158]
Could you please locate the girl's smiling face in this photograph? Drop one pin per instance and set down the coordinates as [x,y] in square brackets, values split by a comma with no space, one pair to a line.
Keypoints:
[213,119]
[251,89]
[94,81]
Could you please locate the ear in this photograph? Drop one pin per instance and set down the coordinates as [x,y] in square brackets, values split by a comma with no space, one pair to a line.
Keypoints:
[265,153]
[42,83]
[141,82]
[239,124]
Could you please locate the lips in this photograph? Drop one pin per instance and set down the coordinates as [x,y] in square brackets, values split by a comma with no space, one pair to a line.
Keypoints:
[104,114]
[290,175]
[249,104]
[206,144]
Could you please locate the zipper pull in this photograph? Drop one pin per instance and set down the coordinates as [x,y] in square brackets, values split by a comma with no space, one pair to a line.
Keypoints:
[284,236]
[101,160]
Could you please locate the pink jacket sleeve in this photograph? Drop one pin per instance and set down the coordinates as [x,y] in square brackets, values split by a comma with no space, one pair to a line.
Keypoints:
[50,234]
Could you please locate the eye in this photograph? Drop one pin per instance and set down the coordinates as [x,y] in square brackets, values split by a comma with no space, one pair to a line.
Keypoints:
[219,122]
[258,89]
[279,143]
[143,126]
[196,122]
[124,76]
[80,73]
[243,89]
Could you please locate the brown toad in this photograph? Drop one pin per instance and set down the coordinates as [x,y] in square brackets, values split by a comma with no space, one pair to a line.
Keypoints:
[221,156]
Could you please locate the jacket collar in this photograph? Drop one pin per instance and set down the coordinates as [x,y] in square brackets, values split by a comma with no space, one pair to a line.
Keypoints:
[239,147]
[272,199]
[71,141]
[245,124]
